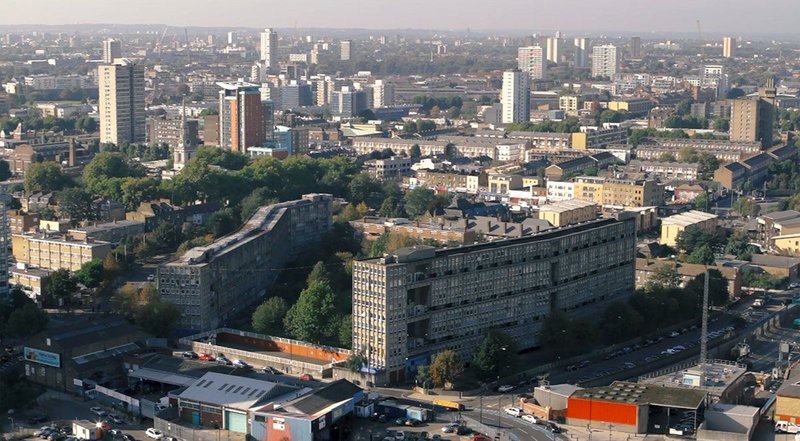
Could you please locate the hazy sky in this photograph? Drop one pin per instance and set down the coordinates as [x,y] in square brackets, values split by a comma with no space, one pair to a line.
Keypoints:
[622,16]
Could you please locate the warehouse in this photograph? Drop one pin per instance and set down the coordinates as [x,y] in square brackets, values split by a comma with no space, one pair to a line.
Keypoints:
[634,408]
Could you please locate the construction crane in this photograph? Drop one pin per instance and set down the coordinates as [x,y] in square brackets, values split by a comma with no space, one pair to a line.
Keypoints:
[157,49]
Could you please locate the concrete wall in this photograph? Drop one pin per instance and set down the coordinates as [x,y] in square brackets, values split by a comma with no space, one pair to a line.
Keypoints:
[704,434]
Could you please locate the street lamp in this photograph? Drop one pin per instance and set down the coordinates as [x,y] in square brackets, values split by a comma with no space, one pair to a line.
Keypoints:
[12,424]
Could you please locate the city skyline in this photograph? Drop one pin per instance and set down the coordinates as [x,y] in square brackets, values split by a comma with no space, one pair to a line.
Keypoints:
[656,18]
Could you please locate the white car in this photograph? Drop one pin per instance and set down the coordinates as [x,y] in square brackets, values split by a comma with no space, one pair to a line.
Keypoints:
[154,433]
[530,419]
[240,364]
[98,411]
[505,388]
[514,411]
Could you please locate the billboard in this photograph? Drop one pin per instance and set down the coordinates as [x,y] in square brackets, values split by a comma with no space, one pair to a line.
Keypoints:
[42,357]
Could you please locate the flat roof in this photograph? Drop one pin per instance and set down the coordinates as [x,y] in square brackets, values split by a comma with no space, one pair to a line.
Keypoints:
[231,391]
[720,375]
[689,218]
[465,249]
[567,205]
[625,392]
[774,261]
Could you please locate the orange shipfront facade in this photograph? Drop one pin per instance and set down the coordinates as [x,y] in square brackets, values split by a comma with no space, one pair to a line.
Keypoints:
[602,412]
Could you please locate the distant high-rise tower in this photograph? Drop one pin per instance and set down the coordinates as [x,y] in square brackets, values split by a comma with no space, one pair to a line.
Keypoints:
[112,49]
[728,47]
[636,47]
[582,48]
[121,102]
[554,49]
[232,38]
[345,50]
[752,119]
[244,119]
[531,59]
[269,50]
[516,97]
[604,61]
[5,245]
[382,94]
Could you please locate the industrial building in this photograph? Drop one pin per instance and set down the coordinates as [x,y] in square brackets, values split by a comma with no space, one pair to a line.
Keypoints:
[213,283]
[572,211]
[419,301]
[673,226]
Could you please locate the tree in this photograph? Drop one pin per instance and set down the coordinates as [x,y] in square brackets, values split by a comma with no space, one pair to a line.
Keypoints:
[361,187]
[75,205]
[423,378]
[665,276]
[418,201]
[260,197]
[157,317]
[26,321]
[746,207]
[722,124]
[268,317]
[667,157]
[687,154]
[303,318]
[61,287]
[345,331]
[739,245]
[415,151]
[701,202]
[410,126]
[701,255]
[44,176]
[318,274]
[691,237]
[91,273]
[717,288]
[224,221]
[495,355]
[356,361]
[445,367]
[109,166]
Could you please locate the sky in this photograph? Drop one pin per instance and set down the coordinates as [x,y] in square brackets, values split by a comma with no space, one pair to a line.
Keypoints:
[732,17]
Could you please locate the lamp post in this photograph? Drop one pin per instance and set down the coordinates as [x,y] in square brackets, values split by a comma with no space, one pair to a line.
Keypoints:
[12,424]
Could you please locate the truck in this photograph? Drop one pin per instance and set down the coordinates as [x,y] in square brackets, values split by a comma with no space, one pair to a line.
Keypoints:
[786,427]
[450,405]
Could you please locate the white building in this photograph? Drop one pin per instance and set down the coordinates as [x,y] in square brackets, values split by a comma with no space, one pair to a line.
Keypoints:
[582,48]
[714,75]
[560,191]
[554,49]
[516,97]
[604,61]
[269,50]
[510,152]
[112,49]
[382,94]
[121,103]
[531,59]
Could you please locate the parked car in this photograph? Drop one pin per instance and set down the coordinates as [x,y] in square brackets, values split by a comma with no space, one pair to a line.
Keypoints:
[505,388]
[115,418]
[553,427]
[399,435]
[530,419]
[450,428]
[98,411]
[221,359]
[413,422]
[154,433]
[189,354]
[240,364]
[383,418]
[306,377]
[514,411]
[206,357]
[128,437]
[674,334]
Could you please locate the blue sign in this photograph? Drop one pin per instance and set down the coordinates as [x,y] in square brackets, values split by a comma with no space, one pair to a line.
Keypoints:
[42,357]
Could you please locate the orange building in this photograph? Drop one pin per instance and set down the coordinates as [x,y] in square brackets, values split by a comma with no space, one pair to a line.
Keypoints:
[244,119]
[633,407]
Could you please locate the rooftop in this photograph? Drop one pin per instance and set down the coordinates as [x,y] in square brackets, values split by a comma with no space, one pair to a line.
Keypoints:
[234,392]
[323,399]
[689,218]
[775,261]
[567,205]
[639,394]
[719,374]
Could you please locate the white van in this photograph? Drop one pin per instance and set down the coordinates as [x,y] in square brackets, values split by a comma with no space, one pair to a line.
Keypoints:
[786,427]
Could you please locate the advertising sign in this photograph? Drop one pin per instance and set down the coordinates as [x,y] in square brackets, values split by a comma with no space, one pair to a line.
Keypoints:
[42,357]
